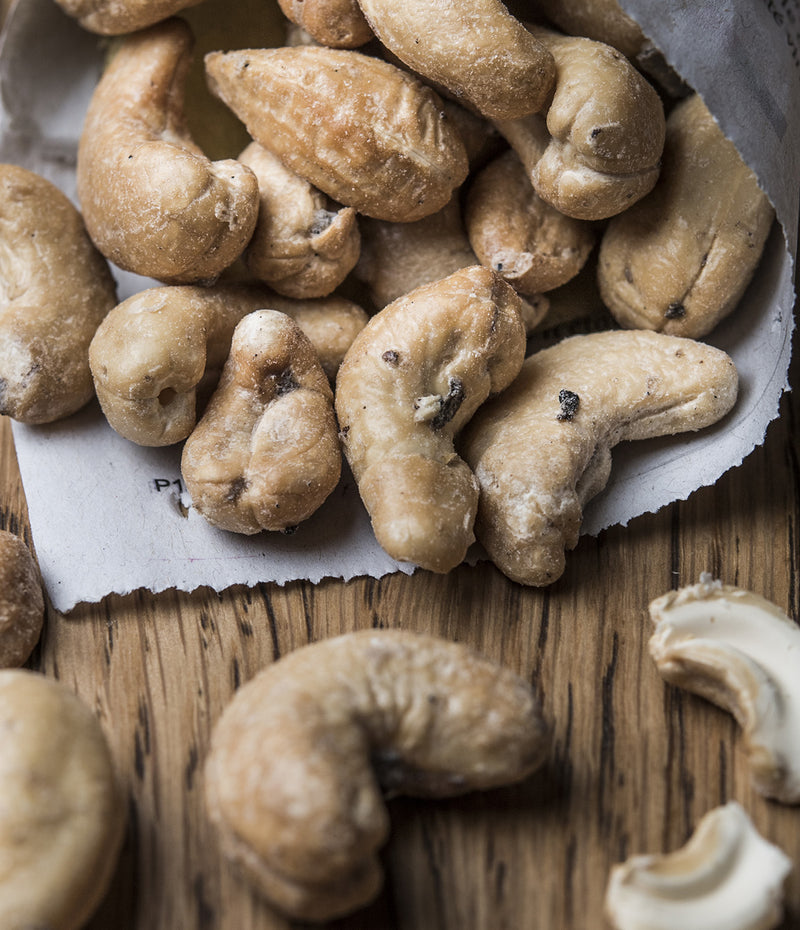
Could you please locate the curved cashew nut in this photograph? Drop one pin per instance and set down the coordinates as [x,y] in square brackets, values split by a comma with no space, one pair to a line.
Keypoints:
[112,18]
[413,377]
[265,454]
[303,245]
[499,68]
[727,877]
[598,151]
[334,23]
[62,818]
[293,774]
[369,135]
[55,288]
[740,651]
[153,203]
[21,601]
[679,261]
[543,448]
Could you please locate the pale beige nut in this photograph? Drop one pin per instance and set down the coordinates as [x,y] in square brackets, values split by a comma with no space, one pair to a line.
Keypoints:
[601,20]
[153,203]
[62,813]
[412,379]
[680,260]
[369,135]
[304,245]
[523,238]
[474,48]
[334,23]
[299,757]
[55,288]
[542,449]
[21,601]
[726,877]
[117,17]
[598,149]
[265,454]
[740,651]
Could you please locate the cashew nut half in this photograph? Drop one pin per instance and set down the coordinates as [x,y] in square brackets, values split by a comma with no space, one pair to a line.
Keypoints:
[62,813]
[412,379]
[726,877]
[740,651]
[265,454]
[55,288]
[542,449]
[153,203]
[21,601]
[298,757]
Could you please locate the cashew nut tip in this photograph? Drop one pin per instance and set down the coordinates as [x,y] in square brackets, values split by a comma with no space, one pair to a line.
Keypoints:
[726,877]
[739,651]
[265,454]
[55,288]
[62,816]
[334,23]
[542,448]
[299,757]
[152,201]
[413,377]
[21,601]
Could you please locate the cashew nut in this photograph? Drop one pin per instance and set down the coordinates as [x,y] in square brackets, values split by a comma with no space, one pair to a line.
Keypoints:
[55,288]
[21,601]
[366,133]
[299,755]
[598,150]
[117,17]
[153,203]
[740,651]
[542,449]
[265,454]
[335,23]
[522,237]
[726,877]
[303,245]
[412,379]
[679,261]
[601,20]
[474,48]
[62,814]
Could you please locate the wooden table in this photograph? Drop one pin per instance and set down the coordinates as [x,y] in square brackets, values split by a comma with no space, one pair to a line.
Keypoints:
[634,763]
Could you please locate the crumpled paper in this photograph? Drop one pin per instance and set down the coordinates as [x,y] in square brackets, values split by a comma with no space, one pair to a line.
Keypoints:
[111,517]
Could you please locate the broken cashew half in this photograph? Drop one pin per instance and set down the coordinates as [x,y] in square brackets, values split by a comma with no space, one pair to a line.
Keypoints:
[300,755]
[265,454]
[740,651]
[21,601]
[726,877]
[412,379]
[542,449]
[153,203]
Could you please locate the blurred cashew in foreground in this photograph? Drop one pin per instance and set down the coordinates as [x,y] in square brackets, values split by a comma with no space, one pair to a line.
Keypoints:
[741,652]
[300,755]
[542,449]
[153,203]
[726,877]
[412,379]
[21,601]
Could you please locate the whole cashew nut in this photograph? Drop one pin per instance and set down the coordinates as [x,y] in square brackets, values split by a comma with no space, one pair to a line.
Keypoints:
[542,449]
[298,757]
[412,379]
[115,18]
[21,601]
[153,203]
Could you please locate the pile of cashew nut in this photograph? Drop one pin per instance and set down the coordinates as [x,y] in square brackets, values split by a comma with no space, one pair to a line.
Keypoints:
[423,183]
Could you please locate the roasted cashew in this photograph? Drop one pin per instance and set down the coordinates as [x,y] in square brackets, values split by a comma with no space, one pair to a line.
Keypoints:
[62,814]
[21,601]
[303,245]
[55,288]
[117,17]
[412,379]
[265,454]
[299,755]
[474,48]
[153,203]
[740,651]
[542,449]
[679,261]
[335,23]
[726,877]
[366,133]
